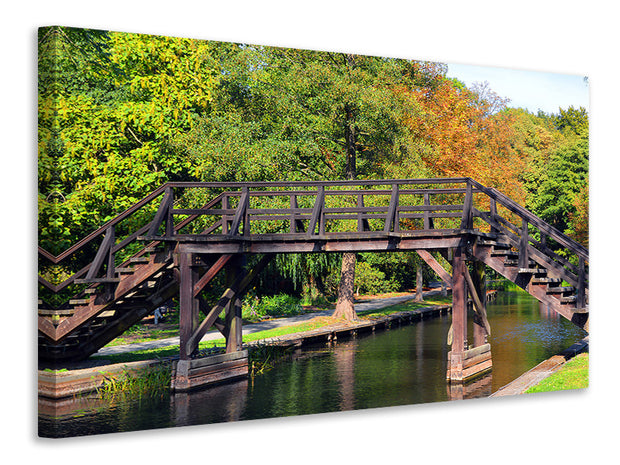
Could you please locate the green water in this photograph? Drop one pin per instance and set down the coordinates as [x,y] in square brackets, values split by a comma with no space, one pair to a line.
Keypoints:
[400,366]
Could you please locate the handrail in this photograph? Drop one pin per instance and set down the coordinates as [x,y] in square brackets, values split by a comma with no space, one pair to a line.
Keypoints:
[85,240]
[531,218]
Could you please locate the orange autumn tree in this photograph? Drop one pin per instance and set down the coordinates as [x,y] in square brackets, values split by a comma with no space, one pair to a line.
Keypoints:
[467,133]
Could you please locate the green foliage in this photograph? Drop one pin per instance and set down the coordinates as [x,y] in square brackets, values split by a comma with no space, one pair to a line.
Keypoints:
[369,280]
[105,139]
[280,305]
[563,178]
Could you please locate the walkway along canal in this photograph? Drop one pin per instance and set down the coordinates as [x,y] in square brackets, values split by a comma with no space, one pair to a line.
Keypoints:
[402,365]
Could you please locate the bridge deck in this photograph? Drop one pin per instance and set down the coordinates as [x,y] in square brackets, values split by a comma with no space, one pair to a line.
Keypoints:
[369,241]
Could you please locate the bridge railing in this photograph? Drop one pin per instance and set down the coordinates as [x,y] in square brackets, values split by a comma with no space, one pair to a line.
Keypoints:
[319,208]
[535,239]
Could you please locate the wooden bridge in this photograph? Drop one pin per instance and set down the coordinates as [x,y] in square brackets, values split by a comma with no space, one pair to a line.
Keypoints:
[154,251]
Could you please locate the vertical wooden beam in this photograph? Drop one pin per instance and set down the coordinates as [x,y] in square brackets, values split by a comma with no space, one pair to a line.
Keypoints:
[293,227]
[234,341]
[169,217]
[241,214]
[428,221]
[246,213]
[467,218]
[110,266]
[493,213]
[362,223]
[188,304]
[459,301]
[524,256]
[225,218]
[459,317]
[581,284]
[317,210]
[391,220]
[480,291]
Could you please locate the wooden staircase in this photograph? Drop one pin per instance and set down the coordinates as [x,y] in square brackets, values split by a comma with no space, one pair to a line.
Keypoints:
[106,308]
[539,281]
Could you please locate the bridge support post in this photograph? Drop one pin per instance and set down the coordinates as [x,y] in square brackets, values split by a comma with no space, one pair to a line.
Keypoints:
[466,362]
[188,304]
[234,339]
[459,317]
[479,287]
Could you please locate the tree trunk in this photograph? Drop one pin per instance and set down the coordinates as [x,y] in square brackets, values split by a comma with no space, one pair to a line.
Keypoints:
[419,296]
[346,290]
[344,305]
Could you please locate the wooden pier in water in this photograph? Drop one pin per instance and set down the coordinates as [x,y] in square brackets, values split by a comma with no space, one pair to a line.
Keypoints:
[139,260]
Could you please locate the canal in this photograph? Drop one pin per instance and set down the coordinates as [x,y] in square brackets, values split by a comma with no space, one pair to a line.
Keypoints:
[400,366]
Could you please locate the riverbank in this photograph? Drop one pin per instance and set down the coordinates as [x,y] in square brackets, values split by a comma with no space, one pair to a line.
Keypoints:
[542,371]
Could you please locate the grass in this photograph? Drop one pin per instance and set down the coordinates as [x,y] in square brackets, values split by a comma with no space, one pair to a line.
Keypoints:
[146,382]
[572,375]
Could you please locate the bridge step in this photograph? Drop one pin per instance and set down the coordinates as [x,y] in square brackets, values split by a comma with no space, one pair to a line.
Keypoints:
[504,252]
[532,270]
[545,280]
[559,289]
[97,280]
[124,270]
[63,312]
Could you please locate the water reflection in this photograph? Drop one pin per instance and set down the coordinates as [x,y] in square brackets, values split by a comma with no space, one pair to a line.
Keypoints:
[225,402]
[405,365]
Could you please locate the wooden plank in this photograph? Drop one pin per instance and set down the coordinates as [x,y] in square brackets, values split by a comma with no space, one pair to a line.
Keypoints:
[471,353]
[241,213]
[581,284]
[188,304]
[466,222]
[428,221]
[162,212]
[459,302]
[317,210]
[524,256]
[391,220]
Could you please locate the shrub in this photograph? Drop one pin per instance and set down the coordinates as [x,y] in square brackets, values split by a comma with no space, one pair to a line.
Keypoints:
[255,308]
[369,280]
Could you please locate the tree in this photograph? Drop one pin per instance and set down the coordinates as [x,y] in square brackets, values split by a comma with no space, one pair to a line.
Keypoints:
[113,127]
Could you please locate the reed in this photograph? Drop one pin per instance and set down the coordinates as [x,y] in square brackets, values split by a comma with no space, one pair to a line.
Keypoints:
[153,381]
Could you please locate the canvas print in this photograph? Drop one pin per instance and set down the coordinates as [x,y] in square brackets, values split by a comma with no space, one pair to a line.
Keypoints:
[231,231]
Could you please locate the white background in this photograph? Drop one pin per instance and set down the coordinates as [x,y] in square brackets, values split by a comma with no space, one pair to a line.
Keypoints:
[556,36]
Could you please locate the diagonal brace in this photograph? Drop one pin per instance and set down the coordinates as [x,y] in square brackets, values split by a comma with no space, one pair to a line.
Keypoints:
[237,288]
[479,307]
